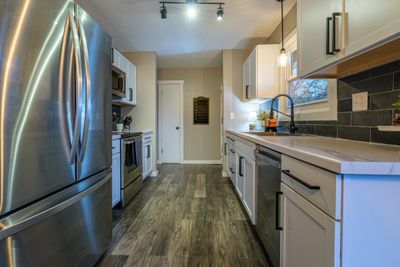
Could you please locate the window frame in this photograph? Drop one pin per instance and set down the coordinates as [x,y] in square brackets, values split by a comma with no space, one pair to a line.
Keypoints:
[324,109]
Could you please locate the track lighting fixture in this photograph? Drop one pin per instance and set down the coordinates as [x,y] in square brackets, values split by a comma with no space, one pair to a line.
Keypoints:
[191,11]
[163,12]
[220,13]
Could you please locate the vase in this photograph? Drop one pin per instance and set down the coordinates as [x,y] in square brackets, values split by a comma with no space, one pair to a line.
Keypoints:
[264,123]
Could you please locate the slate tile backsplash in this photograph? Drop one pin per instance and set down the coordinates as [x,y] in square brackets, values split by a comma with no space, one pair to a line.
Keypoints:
[383,87]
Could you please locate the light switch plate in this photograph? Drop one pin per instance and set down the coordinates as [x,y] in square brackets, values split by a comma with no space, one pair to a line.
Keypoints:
[360,101]
[232,115]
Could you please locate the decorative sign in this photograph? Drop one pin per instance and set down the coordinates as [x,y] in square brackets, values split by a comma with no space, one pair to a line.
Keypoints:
[201,110]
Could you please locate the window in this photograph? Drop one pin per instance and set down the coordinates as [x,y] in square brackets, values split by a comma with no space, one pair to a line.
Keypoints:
[314,99]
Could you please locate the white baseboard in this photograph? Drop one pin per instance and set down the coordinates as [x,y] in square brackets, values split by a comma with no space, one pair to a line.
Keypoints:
[154,173]
[205,162]
[225,174]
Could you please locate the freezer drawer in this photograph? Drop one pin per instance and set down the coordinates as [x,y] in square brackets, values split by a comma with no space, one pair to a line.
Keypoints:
[73,232]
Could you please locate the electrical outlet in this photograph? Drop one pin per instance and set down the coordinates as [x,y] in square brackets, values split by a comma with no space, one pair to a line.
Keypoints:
[232,115]
[360,101]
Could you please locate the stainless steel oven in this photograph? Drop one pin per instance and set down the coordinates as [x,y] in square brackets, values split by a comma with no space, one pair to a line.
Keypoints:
[118,82]
[131,167]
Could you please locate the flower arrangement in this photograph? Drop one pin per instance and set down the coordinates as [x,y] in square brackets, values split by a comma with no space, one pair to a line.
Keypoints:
[263,116]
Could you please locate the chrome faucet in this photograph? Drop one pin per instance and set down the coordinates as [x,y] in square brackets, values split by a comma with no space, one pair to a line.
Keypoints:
[292,126]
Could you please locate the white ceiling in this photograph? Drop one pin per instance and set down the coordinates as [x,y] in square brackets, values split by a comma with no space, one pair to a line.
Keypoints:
[136,25]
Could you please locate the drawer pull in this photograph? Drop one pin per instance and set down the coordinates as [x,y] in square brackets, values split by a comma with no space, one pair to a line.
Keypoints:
[233,151]
[311,187]
[232,171]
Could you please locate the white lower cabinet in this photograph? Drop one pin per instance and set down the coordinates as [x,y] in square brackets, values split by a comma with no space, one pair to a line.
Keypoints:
[147,148]
[309,237]
[239,175]
[116,178]
[241,170]
[232,163]
[249,167]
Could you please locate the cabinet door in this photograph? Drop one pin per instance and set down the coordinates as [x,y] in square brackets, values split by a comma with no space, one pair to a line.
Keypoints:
[116,58]
[130,85]
[309,238]
[253,74]
[150,159]
[240,174]
[116,178]
[249,189]
[312,34]
[370,21]
[232,164]
[246,79]
[144,155]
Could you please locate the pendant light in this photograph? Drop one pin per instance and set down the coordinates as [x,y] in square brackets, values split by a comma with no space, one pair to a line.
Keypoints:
[283,59]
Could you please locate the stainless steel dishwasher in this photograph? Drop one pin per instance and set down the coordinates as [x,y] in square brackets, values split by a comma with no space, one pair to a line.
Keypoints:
[268,207]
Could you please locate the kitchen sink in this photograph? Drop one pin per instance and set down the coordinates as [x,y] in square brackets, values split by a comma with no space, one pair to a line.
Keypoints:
[273,134]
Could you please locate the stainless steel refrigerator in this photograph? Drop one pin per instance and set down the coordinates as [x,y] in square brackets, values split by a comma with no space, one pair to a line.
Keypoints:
[55,135]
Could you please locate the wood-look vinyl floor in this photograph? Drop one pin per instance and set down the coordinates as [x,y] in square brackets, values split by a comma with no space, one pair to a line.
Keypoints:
[187,216]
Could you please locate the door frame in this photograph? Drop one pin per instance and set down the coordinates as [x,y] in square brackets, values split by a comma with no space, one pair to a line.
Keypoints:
[160,121]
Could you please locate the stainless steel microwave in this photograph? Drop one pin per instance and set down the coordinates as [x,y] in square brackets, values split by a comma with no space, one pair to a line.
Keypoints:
[118,82]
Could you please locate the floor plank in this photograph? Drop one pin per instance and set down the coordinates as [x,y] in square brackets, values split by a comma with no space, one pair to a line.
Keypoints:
[186,216]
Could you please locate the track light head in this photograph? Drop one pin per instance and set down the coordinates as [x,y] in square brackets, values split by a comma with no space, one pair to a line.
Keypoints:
[163,12]
[220,13]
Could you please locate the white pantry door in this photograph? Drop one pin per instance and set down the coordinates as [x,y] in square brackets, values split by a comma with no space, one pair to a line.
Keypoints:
[171,128]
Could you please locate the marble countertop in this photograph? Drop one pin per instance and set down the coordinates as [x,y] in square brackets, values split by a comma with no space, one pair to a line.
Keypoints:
[337,155]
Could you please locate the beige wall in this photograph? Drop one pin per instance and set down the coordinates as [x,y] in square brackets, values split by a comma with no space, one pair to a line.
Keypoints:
[145,113]
[290,23]
[201,142]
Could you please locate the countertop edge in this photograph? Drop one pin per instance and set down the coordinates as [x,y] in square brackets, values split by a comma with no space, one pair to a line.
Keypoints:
[336,166]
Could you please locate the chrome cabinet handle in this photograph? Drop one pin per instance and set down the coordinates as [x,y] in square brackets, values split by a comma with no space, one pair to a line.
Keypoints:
[300,181]
[88,90]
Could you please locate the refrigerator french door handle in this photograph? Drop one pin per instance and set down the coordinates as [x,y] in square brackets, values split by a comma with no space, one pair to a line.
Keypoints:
[78,81]
[87,94]
[67,116]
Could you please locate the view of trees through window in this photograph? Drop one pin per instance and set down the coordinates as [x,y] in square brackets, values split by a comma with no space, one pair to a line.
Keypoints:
[308,90]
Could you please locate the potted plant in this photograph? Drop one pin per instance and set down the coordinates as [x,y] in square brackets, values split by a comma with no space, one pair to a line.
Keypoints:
[396,113]
[263,117]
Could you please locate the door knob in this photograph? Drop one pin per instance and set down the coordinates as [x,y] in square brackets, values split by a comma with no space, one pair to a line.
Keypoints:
[177,127]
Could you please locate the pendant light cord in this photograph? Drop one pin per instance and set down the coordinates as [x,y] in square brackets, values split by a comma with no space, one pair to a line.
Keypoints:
[283,47]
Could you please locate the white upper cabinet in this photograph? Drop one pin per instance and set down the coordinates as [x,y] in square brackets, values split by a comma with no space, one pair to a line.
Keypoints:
[332,31]
[371,21]
[260,73]
[129,69]
[315,34]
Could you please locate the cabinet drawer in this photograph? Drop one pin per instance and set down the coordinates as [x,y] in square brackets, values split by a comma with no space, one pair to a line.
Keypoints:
[243,145]
[116,146]
[320,187]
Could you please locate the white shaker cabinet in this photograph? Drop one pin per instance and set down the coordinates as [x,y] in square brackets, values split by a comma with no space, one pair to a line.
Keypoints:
[309,237]
[371,21]
[249,193]
[122,63]
[260,73]
[116,172]
[242,172]
[315,34]
[332,31]
[147,148]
